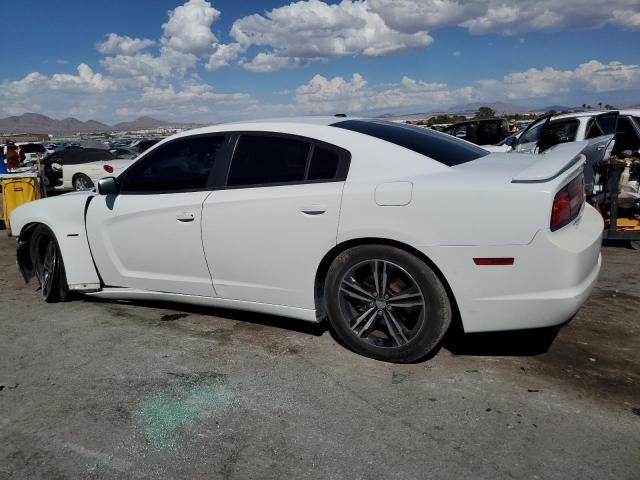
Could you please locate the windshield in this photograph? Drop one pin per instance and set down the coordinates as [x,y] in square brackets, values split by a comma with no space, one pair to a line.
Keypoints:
[439,146]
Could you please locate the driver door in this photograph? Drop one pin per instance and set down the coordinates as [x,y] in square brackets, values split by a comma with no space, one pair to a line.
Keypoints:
[149,235]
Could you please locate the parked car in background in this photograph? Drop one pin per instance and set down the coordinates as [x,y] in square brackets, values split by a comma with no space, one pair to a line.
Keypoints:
[481,132]
[33,149]
[309,218]
[143,145]
[607,133]
[124,152]
[81,168]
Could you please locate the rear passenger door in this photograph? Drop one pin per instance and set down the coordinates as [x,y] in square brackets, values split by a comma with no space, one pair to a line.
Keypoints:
[267,229]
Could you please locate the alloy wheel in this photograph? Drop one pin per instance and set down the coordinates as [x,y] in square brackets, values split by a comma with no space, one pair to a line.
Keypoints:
[382,303]
[48,268]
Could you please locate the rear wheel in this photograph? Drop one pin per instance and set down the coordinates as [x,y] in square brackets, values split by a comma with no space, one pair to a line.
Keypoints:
[387,304]
[48,265]
[82,182]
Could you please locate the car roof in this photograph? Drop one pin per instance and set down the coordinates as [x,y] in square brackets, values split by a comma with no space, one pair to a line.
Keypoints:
[267,123]
[323,120]
[593,113]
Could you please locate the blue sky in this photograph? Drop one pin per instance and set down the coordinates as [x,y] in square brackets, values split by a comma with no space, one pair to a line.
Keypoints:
[218,60]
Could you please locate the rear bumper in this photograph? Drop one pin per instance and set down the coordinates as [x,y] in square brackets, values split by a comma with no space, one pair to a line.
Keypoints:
[551,278]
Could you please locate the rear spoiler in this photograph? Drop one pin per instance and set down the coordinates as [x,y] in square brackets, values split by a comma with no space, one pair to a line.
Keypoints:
[553,163]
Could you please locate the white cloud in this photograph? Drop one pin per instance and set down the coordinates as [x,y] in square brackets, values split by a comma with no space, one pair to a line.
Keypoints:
[145,68]
[270,62]
[457,54]
[223,55]
[186,36]
[116,44]
[627,18]
[313,30]
[323,95]
[189,28]
[505,16]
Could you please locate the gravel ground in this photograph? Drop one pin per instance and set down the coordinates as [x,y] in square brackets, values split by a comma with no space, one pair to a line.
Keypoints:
[93,389]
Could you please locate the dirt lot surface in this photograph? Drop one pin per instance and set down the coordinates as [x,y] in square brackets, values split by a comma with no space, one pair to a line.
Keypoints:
[94,389]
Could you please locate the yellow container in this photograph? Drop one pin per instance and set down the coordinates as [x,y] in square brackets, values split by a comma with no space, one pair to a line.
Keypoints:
[16,190]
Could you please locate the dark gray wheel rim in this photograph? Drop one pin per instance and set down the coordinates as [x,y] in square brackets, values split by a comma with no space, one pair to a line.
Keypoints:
[48,268]
[82,183]
[382,303]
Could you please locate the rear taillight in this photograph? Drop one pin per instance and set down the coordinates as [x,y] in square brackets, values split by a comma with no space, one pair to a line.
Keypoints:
[108,168]
[567,203]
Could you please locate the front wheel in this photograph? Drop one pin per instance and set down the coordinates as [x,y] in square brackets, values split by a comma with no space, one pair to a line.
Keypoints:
[48,265]
[385,303]
[82,182]
[635,244]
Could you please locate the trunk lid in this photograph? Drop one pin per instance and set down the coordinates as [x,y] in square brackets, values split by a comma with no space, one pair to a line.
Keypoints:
[561,161]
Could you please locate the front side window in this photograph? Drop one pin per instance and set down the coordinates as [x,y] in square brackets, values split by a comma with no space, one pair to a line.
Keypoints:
[182,165]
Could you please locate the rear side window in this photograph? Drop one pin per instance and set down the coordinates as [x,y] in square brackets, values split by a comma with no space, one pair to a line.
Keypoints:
[439,146]
[324,164]
[182,165]
[263,160]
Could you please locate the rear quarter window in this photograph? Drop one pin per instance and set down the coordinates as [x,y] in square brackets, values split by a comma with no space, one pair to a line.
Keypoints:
[441,147]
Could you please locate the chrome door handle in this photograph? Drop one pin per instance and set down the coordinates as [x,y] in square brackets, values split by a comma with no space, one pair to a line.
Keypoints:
[313,209]
[185,217]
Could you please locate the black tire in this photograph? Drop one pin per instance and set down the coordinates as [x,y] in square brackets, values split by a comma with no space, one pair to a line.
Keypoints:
[401,331]
[48,265]
[81,182]
[635,244]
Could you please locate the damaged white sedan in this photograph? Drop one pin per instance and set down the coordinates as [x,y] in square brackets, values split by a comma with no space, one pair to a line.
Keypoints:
[390,231]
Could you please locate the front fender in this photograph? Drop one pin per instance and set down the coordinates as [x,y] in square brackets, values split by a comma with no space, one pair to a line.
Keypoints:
[65,216]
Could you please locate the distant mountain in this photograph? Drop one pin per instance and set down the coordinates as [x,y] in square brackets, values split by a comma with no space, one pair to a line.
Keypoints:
[555,108]
[498,107]
[142,123]
[37,123]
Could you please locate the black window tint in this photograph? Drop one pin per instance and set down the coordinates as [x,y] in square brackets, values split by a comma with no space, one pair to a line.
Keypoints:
[178,166]
[439,146]
[260,160]
[324,164]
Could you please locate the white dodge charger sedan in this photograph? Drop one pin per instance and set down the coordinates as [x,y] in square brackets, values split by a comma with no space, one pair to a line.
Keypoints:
[390,231]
